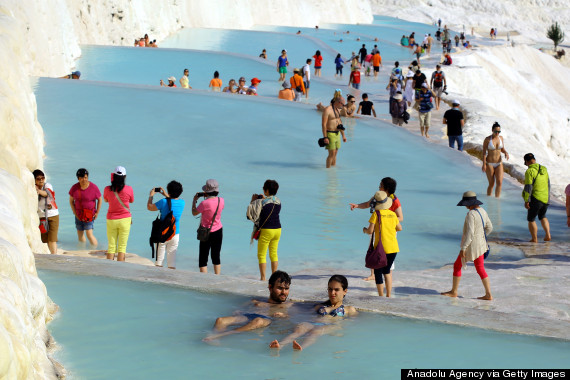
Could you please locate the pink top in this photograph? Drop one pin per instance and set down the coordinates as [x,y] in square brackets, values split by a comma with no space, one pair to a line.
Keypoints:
[207,208]
[116,210]
[84,199]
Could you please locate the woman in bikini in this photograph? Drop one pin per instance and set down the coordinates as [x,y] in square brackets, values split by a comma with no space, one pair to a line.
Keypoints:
[493,146]
[328,312]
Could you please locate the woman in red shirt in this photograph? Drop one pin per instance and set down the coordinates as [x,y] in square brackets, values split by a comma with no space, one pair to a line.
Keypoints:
[318,63]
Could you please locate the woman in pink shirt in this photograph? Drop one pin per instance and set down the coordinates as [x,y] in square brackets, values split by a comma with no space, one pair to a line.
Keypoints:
[119,221]
[211,209]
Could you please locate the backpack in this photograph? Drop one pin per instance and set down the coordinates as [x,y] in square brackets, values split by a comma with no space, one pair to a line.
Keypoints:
[163,230]
[437,79]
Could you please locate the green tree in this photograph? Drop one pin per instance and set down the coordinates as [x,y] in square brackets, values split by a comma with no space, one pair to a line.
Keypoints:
[556,34]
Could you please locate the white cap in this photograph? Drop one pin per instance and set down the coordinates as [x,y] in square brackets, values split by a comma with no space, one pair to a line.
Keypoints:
[172,79]
[425,85]
[456,102]
[119,170]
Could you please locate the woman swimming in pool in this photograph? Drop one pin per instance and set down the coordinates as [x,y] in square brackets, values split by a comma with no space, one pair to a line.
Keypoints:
[328,312]
[493,146]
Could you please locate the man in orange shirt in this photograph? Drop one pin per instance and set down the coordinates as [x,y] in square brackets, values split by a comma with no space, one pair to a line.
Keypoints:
[286,93]
[376,63]
[297,84]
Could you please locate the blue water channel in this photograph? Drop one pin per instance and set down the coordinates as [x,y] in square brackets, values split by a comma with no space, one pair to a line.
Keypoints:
[146,331]
[118,115]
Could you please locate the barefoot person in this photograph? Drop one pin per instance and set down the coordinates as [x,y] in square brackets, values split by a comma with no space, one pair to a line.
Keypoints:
[85,201]
[536,194]
[329,313]
[388,185]
[332,126]
[275,307]
[384,224]
[119,217]
[493,146]
[473,244]
[47,211]
[263,211]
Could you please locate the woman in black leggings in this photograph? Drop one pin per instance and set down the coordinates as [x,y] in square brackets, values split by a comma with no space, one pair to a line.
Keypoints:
[211,209]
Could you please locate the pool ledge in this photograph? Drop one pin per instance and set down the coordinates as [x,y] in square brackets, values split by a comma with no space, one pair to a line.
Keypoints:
[531,295]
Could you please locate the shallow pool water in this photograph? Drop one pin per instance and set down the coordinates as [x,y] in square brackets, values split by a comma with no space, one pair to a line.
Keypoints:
[241,141]
[112,329]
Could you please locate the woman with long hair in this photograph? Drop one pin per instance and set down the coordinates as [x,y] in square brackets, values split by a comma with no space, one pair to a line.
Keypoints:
[493,146]
[119,218]
[318,63]
[330,313]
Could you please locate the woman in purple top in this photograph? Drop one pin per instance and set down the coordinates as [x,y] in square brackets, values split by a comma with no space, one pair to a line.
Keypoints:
[211,209]
[85,202]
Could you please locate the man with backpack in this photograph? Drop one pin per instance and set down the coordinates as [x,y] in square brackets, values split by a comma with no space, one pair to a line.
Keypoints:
[438,84]
[171,208]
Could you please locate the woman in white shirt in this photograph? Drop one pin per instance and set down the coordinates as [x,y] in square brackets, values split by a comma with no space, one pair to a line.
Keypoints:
[47,211]
[473,244]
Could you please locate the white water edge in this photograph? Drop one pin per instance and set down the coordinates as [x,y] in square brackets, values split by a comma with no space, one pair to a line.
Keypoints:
[43,37]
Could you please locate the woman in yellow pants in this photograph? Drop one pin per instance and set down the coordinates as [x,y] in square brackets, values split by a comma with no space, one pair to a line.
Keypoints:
[119,196]
[269,225]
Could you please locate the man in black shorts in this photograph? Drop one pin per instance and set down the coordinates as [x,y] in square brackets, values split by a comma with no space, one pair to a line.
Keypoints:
[536,194]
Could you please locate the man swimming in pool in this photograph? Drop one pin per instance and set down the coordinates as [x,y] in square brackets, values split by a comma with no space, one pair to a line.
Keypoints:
[275,307]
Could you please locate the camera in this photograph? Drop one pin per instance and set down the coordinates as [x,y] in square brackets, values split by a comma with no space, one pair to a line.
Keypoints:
[157,189]
[372,204]
[200,194]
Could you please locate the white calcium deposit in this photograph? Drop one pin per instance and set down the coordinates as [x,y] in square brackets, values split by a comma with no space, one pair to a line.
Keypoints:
[42,38]
[525,90]
[520,87]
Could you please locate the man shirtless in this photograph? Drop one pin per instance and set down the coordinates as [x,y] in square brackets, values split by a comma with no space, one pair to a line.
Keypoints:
[275,307]
[331,127]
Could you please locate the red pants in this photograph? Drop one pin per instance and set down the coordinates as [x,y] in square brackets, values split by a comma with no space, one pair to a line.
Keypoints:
[479,267]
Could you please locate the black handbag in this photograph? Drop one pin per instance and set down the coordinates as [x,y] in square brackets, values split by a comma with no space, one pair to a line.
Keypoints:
[203,233]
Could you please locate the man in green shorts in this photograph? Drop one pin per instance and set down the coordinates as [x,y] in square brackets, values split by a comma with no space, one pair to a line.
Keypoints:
[282,64]
[332,126]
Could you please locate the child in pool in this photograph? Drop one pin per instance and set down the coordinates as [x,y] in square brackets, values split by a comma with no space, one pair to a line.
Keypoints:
[328,311]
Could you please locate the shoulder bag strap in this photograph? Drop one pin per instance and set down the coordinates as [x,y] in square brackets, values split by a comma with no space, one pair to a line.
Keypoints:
[537,174]
[121,202]
[266,219]
[483,227]
[214,217]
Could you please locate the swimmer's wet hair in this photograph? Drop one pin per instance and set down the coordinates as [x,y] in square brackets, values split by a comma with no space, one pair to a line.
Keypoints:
[340,279]
[283,277]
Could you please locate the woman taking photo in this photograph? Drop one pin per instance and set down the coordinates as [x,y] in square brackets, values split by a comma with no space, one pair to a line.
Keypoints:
[493,146]
[119,220]
[211,209]
[47,211]
[264,211]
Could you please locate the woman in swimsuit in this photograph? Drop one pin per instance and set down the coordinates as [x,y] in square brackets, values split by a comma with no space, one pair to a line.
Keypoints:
[328,312]
[232,87]
[493,146]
